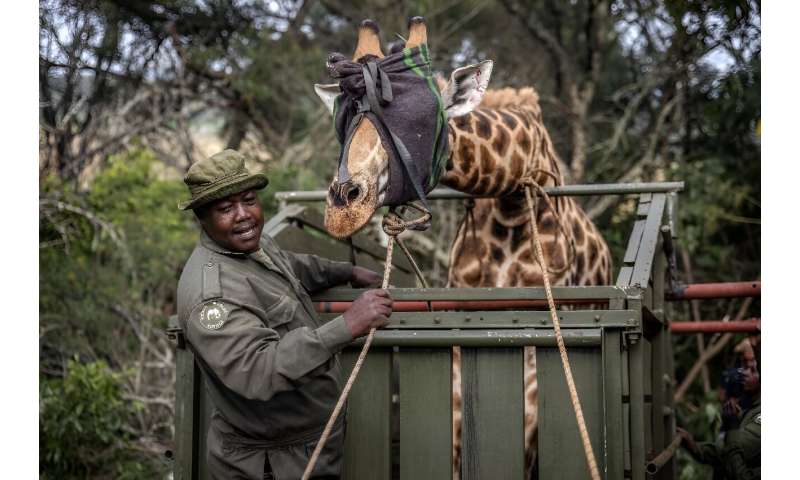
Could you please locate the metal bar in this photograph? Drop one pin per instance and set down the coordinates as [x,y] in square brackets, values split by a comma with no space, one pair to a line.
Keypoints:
[539,319]
[716,326]
[462,305]
[444,193]
[574,337]
[654,465]
[716,290]
[601,293]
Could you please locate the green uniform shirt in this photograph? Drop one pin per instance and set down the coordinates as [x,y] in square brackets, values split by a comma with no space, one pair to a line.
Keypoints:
[269,362]
[739,455]
[742,453]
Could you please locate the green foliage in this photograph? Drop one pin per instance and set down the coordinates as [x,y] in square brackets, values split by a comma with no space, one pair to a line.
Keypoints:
[80,286]
[82,425]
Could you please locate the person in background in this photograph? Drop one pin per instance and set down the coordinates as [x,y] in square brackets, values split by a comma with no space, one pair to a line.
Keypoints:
[737,455]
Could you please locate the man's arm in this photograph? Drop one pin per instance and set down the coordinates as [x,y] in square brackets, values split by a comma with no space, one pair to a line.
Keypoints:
[317,273]
[706,452]
[252,359]
[736,443]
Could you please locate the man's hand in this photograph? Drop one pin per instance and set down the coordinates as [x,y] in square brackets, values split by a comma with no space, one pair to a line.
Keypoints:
[687,440]
[363,277]
[371,309]
[731,411]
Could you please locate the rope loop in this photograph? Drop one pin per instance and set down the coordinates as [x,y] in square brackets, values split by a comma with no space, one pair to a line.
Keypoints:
[394,224]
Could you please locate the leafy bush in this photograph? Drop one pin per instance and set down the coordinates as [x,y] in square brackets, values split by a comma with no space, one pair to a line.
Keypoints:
[82,424]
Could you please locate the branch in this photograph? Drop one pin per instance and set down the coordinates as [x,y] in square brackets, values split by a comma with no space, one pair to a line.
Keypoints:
[634,173]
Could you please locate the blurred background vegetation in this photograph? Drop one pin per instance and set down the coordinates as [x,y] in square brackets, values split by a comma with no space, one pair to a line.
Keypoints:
[132,92]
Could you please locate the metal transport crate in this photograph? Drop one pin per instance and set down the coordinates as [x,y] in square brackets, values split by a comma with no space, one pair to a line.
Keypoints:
[399,411]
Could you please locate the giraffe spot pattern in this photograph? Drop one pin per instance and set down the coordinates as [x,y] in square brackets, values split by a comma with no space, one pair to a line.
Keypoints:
[500,142]
[509,119]
[499,230]
[463,123]
[482,125]
[497,253]
[524,141]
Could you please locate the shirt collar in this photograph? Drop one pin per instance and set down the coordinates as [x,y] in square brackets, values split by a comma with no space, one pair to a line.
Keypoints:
[210,244]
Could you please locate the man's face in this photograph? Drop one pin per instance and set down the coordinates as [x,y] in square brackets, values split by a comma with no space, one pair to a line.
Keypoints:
[234,222]
[752,380]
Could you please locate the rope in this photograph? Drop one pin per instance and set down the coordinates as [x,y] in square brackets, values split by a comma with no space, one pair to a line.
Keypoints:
[562,349]
[572,250]
[393,225]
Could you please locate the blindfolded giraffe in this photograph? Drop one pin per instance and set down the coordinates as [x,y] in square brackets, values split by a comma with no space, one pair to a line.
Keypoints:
[489,143]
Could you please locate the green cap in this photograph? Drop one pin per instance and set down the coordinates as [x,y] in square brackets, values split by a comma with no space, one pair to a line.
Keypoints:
[217,177]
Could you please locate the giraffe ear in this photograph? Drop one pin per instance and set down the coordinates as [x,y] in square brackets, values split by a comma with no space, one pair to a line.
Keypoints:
[328,93]
[465,89]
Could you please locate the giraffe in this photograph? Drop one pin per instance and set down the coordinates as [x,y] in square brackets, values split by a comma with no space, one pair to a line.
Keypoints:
[497,147]
[498,144]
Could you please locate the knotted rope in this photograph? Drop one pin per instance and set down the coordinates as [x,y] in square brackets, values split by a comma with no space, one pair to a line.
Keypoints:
[393,225]
[562,349]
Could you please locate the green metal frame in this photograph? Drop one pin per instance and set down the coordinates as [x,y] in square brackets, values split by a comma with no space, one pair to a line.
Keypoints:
[400,408]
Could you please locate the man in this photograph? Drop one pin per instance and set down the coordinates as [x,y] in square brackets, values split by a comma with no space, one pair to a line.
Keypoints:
[269,362]
[739,456]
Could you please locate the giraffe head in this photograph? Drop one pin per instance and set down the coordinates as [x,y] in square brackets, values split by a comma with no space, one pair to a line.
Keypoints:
[390,114]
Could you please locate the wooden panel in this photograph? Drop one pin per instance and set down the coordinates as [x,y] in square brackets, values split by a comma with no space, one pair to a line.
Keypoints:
[643,207]
[650,236]
[492,422]
[204,406]
[624,277]
[368,440]
[637,420]
[626,427]
[186,454]
[633,241]
[660,423]
[612,397]
[558,429]
[426,443]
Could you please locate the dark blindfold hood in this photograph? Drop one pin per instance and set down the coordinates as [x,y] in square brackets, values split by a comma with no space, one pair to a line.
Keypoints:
[399,96]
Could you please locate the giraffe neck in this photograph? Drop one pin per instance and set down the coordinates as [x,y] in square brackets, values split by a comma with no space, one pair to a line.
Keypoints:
[495,150]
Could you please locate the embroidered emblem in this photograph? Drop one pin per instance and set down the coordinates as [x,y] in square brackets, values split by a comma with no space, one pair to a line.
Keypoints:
[758,419]
[213,316]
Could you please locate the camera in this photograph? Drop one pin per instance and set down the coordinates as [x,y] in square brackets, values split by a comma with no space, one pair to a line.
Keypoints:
[733,382]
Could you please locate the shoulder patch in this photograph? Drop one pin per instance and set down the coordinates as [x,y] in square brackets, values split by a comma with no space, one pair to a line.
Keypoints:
[757,419]
[211,284]
[213,315]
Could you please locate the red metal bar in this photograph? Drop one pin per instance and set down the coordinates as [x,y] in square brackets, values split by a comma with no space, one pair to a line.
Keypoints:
[468,305]
[716,290]
[752,325]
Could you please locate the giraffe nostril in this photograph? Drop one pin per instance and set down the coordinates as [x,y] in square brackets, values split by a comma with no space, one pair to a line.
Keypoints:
[353,193]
